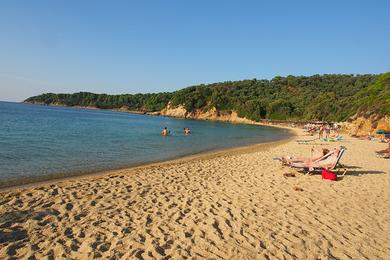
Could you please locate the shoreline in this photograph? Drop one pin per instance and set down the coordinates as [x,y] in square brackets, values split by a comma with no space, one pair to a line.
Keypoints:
[209,154]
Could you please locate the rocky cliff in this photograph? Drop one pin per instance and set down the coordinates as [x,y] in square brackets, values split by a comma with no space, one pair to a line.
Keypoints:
[211,114]
[361,126]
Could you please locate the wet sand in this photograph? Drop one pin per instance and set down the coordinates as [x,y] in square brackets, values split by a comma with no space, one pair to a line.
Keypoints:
[233,205]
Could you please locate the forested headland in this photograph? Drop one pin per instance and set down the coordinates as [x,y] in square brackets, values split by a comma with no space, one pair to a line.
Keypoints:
[328,97]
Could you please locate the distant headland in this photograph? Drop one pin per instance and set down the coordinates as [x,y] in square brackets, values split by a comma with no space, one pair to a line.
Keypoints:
[363,100]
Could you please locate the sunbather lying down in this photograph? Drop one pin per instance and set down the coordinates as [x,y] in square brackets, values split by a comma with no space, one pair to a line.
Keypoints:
[328,161]
[315,154]
[385,151]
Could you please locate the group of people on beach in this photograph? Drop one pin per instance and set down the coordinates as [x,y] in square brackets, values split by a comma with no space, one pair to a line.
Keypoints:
[385,153]
[332,130]
[325,130]
[166,132]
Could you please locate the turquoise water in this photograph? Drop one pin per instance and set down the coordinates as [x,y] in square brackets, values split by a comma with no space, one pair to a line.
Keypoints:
[41,142]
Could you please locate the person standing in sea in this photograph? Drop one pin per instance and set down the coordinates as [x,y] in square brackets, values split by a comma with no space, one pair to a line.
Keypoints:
[165,131]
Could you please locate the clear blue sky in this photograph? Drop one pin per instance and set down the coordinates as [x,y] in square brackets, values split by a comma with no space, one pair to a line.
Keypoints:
[152,46]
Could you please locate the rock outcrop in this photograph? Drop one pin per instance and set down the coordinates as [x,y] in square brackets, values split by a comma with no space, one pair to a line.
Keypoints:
[361,126]
[172,111]
[211,114]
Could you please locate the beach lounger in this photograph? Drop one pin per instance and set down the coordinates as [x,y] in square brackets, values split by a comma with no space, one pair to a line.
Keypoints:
[306,141]
[296,161]
[333,139]
[383,155]
[316,165]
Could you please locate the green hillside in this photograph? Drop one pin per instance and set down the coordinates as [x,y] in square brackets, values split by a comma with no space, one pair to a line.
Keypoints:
[323,97]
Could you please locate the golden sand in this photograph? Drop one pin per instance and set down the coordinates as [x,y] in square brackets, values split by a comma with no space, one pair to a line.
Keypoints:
[235,205]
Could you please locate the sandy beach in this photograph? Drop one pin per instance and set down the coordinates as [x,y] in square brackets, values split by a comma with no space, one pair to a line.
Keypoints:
[232,205]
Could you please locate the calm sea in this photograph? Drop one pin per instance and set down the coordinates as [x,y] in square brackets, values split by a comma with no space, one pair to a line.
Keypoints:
[41,142]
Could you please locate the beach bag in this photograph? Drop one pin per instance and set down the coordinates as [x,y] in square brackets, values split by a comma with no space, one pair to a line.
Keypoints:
[328,175]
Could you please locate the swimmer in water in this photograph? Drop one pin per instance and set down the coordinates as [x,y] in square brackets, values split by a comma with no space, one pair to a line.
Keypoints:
[165,131]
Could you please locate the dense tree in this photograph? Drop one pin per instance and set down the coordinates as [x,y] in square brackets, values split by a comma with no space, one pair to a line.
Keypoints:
[322,97]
